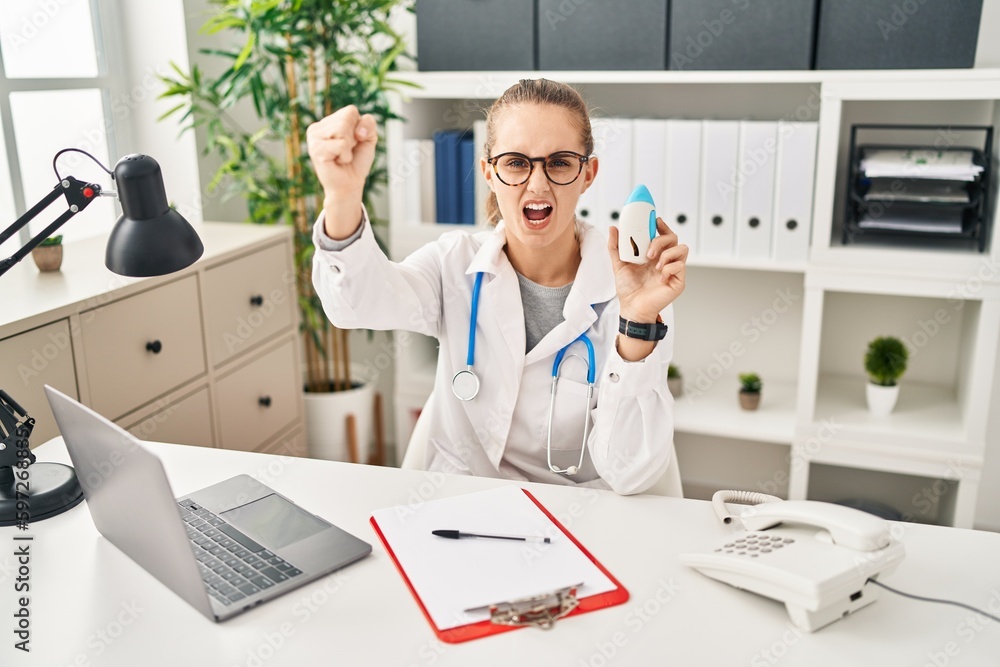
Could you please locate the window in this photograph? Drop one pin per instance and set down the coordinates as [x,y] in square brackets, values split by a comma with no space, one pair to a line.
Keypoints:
[55,93]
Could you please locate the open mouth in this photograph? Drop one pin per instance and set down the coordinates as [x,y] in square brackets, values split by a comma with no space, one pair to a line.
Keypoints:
[537,215]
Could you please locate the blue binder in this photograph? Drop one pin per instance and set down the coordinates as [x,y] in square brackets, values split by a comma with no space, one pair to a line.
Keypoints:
[467,179]
[446,175]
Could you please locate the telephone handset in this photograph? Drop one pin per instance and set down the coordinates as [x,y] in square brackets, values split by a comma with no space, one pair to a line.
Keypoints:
[815,557]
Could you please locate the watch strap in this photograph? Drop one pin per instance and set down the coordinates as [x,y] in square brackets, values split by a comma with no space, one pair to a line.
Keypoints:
[642,330]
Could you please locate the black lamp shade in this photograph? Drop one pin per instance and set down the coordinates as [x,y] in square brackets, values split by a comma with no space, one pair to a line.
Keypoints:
[150,238]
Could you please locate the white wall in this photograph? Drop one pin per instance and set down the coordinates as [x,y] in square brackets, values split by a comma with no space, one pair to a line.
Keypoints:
[153,35]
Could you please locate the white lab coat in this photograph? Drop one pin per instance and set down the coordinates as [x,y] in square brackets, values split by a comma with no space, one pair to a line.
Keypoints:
[630,444]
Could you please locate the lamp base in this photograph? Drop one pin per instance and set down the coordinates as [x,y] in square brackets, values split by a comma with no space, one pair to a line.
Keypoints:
[53,489]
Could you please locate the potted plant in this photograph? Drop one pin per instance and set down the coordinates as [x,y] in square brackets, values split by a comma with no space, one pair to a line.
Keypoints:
[750,385]
[294,62]
[885,363]
[674,381]
[48,254]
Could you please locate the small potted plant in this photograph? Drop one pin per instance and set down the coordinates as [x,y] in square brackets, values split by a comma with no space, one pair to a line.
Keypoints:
[885,363]
[674,381]
[48,254]
[750,385]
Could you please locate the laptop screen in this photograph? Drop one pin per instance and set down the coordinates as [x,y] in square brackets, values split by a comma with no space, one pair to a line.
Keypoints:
[274,522]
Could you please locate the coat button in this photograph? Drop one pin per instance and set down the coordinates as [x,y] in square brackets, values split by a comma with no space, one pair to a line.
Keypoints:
[613,377]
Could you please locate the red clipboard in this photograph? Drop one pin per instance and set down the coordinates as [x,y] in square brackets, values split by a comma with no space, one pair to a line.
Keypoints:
[618,595]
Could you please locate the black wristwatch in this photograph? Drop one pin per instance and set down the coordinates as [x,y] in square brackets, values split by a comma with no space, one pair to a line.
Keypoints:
[654,331]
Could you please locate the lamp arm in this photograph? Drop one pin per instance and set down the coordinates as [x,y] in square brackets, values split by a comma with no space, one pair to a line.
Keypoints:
[78,194]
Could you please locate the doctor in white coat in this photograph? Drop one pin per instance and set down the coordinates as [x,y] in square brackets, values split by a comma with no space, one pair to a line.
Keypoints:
[545,279]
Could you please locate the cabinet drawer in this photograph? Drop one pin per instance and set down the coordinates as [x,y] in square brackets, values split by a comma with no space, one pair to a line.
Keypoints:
[142,346]
[186,422]
[259,399]
[248,300]
[32,359]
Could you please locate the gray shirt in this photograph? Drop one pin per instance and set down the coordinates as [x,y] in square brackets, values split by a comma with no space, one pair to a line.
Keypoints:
[543,309]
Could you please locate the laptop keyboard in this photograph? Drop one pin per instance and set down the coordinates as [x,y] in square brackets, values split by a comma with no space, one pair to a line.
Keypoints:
[232,565]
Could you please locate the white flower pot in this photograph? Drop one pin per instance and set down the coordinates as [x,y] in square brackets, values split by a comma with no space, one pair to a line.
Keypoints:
[881,400]
[326,422]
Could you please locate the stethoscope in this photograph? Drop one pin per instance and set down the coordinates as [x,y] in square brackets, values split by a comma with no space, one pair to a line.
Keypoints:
[465,383]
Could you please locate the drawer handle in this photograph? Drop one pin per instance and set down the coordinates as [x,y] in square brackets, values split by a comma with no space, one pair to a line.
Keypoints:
[154,347]
[264,401]
[257,300]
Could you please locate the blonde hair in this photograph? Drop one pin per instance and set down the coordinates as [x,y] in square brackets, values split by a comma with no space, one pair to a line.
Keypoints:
[535,91]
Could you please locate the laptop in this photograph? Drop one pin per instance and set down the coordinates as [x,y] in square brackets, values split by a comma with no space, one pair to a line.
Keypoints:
[223,549]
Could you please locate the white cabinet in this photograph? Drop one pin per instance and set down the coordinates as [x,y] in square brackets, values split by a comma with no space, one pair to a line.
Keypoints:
[802,324]
[206,356]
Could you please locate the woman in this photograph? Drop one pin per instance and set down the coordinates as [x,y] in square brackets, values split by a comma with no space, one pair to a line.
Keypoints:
[545,279]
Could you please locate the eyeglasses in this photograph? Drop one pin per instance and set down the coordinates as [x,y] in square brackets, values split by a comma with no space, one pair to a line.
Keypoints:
[560,168]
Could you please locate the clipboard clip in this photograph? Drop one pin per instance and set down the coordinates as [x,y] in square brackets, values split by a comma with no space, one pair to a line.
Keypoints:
[539,611]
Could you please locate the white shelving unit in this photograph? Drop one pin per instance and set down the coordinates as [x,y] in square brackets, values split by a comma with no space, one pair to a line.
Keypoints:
[813,436]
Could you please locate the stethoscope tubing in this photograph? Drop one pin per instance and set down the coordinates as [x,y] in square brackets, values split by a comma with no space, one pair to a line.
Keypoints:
[556,365]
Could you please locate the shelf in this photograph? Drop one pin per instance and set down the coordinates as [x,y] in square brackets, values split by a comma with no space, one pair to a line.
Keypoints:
[717,412]
[926,415]
[747,264]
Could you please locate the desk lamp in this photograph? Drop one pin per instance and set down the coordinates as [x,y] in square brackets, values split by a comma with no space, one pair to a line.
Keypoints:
[149,239]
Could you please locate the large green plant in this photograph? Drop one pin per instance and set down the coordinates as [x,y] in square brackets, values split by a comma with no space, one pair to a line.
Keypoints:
[294,61]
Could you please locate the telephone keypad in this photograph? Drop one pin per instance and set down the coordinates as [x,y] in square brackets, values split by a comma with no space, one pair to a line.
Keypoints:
[754,544]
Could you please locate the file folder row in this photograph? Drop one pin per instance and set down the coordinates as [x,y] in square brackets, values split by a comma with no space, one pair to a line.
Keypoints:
[739,189]
[442,177]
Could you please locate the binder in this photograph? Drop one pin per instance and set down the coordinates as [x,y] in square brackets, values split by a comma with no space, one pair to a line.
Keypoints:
[411,169]
[446,175]
[755,188]
[428,191]
[613,147]
[716,234]
[649,167]
[424,561]
[466,180]
[795,171]
[683,181]
[481,190]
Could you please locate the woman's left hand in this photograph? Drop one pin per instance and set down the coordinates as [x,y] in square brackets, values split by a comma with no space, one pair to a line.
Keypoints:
[646,289]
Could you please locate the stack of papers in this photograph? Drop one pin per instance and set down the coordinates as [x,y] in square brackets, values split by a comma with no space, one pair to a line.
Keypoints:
[946,220]
[954,165]
[918,190]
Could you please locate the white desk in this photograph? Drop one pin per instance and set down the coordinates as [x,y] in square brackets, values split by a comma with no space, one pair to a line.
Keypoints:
[91,605]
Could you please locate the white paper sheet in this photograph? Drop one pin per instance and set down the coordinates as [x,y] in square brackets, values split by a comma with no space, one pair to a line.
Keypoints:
[456,578]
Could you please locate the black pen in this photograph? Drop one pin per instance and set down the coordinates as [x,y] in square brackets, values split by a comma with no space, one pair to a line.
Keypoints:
[455,534]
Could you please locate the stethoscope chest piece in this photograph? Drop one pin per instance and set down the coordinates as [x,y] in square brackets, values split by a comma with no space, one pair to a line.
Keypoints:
[465,384]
